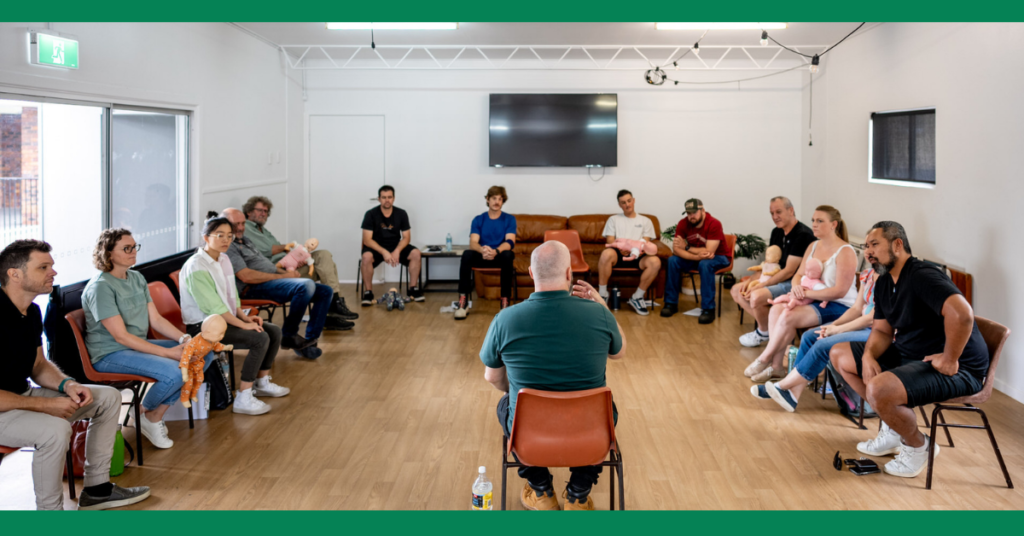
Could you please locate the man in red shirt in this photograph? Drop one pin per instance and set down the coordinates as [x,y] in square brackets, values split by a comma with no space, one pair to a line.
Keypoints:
[699,245]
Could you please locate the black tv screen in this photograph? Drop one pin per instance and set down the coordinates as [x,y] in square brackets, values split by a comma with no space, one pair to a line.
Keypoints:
[529,129]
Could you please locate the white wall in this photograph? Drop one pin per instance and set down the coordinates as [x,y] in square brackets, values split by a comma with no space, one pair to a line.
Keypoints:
[734,149]
[235,84]
[972,75]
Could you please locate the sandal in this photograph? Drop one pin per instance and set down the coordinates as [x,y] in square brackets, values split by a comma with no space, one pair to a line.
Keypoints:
[754,367]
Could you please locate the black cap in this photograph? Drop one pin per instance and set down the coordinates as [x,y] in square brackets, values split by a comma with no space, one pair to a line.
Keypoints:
[693,205]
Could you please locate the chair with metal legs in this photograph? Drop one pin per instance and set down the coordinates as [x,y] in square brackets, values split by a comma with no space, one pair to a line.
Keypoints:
[69,465]
[403,277]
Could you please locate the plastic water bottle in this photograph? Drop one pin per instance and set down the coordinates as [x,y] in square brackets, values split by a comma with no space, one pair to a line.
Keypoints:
[791,357]
[482,491]
[448,242]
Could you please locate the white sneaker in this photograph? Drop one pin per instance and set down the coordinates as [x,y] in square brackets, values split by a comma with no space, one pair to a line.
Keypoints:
[247,403]
[885,443]
[910,461]
[265,387]
[155,432]
[753,339]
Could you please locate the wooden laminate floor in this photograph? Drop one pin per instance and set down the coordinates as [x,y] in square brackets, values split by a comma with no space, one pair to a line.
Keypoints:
[397,415]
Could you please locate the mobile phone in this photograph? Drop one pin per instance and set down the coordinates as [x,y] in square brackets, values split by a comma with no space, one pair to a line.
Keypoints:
[865,470]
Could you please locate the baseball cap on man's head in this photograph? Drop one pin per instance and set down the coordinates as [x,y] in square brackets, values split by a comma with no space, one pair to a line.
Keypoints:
[693,205]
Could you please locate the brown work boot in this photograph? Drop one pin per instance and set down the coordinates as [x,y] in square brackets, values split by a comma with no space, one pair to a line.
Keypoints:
[546,501]
[572,503]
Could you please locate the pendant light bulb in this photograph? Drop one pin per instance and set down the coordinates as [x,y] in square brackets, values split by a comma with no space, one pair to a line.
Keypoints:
[814,64]
[764,38]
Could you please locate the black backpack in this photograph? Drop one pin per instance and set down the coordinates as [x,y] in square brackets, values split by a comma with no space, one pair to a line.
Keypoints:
[62,349]
[848,399]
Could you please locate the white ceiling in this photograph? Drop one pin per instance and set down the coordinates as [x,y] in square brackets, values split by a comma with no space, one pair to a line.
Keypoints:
[509,33]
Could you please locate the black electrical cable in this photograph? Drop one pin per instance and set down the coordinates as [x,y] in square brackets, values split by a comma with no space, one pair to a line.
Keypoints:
[683,55]
[677,82]
[822,53]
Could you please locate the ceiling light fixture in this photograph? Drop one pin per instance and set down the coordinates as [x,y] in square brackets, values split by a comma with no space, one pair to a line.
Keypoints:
[814,63]
[392,25]
[721,25]
[764,38]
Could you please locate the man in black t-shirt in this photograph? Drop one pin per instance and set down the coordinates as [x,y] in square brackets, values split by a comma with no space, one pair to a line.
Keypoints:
[793,238]
[924,347]
[41,417]
[386,238]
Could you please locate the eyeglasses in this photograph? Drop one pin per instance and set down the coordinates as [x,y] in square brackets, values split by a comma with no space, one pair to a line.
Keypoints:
[129,249]
[263,210]
[222,236]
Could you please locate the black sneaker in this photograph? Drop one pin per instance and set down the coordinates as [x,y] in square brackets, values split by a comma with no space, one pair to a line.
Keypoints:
[707,316]
[311,352]
[416,293]
[339,308]
[336,323]
[296,342]
[118,497]
[669,309]
[367,298]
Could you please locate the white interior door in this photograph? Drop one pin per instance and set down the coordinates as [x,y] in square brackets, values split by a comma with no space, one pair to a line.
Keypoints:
[346,166]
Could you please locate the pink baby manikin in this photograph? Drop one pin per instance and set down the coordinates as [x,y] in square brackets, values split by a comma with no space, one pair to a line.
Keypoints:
[298,256]
[810,281]
[633,247]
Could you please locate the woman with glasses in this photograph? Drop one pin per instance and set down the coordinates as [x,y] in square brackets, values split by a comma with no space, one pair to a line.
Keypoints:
[118,314]
[208,288]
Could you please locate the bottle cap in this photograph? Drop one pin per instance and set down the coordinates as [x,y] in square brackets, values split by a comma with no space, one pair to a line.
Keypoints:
[483,469]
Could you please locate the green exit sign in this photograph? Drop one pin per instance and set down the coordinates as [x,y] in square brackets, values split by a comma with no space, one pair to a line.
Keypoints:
[53,51]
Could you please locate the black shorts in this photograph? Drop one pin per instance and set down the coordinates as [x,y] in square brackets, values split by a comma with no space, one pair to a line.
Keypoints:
[924,384]
[635,263]
[403,257]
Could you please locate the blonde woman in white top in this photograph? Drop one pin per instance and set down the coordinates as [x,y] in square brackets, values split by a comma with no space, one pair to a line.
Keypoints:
[840,277]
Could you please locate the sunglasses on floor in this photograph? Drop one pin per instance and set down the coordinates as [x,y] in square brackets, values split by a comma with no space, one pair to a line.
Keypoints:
[860,466]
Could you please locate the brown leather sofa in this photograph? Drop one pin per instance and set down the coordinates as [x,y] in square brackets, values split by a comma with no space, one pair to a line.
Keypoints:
[530,234]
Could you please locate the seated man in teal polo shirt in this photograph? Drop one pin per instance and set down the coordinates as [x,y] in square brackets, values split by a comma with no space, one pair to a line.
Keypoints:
[552,342]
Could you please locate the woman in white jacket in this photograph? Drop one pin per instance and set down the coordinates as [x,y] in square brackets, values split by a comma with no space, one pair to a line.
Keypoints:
[208,288]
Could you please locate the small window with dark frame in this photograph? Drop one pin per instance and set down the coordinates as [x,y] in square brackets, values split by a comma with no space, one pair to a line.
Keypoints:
[903,146]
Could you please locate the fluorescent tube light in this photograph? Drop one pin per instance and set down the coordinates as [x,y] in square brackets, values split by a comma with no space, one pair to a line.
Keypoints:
[392,25]
[721,25]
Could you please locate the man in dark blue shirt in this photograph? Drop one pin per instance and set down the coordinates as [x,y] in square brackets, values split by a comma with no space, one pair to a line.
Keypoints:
[41,417]
[924,347]
[552,342]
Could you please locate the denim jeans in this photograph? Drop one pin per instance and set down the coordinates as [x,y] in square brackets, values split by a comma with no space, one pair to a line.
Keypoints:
[678,266]
[812,356]
[167,389]
[298,293]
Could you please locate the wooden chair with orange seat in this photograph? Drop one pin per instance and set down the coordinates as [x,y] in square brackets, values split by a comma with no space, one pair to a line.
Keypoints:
[571,239]
[730,243]
[132,382]
[995,336]
[564,429]
[69,465]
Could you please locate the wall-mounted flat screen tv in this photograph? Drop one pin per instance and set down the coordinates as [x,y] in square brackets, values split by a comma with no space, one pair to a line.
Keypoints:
[572,130]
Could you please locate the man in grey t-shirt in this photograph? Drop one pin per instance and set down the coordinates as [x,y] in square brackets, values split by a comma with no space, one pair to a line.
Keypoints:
[259,279]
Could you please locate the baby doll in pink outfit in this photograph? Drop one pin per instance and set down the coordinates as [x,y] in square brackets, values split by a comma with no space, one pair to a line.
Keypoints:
[633,247]
[298,256]
[810,281]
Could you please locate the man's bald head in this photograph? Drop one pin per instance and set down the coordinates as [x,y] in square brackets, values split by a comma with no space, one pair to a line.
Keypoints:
[550,263]
[237,220]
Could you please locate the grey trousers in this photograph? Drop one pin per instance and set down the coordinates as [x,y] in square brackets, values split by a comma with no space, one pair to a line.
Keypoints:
[50,436]
[325,270]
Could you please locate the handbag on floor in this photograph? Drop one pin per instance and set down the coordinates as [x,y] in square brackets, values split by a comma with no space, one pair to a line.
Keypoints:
[221,396]
[845,396]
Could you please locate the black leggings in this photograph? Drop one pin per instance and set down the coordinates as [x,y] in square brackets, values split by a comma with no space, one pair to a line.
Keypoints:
[473,259]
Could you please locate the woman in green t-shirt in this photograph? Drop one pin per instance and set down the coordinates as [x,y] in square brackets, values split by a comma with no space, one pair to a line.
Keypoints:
[118,315]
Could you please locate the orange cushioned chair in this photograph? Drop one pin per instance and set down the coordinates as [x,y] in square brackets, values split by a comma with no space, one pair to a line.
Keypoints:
[571,239]
[132,382]
[564,429]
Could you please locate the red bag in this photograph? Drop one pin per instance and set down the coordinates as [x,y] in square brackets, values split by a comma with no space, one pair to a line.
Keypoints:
[78,430]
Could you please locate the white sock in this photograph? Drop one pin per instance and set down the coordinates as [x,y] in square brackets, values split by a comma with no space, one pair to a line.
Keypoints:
[761,333]
[639,294]
[603,291]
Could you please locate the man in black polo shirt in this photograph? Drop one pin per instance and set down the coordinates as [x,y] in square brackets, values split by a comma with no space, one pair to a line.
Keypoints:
[793,238]
[41,417]
[924,347]
[552,342]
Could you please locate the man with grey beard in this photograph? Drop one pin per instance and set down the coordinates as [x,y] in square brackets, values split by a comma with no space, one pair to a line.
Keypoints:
[924,347]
